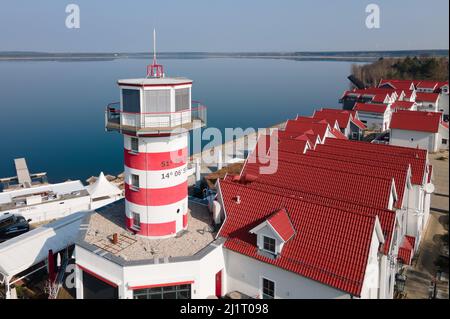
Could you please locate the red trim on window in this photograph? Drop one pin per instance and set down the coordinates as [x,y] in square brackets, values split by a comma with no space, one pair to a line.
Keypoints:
[97,276]
[162,285]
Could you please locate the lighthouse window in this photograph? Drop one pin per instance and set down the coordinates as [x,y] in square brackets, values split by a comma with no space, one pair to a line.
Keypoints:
[130,101]
[134,144]
[135,180]
[181,99]
[157,101]
[136,221]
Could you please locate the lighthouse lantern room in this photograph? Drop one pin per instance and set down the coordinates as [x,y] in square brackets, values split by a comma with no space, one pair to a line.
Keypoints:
[155,115]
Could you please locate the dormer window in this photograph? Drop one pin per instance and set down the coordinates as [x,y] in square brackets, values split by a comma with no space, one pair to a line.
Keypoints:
[269,244]
[273,233]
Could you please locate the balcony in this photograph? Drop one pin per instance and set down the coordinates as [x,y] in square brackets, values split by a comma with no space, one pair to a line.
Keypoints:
[154,123]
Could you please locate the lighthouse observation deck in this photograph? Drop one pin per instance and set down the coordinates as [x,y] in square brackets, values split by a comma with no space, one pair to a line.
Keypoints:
[155,106]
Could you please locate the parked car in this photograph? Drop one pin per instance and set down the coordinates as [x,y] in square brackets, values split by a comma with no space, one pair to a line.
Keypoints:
[12,225]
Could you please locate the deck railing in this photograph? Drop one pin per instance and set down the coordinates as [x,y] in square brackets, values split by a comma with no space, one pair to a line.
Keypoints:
[119,120]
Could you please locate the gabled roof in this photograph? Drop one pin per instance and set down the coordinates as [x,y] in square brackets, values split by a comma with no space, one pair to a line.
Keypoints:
[326,181]
[338,134]
[370,108]
[331,116]
[282,224]
[427,97]
[387,217]
[358,123]
[402,105]
[380,98]
[416,121]
[380,154]
[331,246]
[304,124]
[432,85]
[406,85]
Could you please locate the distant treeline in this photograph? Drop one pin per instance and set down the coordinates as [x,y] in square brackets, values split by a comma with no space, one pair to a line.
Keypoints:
[409,68]
[360,56]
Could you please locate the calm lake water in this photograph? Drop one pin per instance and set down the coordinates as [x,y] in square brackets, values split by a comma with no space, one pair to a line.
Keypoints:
[52,113]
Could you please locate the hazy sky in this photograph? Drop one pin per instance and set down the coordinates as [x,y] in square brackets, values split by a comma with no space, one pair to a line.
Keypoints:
[225,25]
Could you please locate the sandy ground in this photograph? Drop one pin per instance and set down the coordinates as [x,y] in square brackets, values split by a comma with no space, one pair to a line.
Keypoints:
[423,270]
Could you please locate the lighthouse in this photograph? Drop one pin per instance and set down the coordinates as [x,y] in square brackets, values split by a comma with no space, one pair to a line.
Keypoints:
[155,115]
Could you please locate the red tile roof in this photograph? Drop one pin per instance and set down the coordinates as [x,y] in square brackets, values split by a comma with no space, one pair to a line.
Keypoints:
[399,175]
[370,108]
[387,217]
[359,124]
[282,224]
[402,105]
[379,98]
[397,84]
[302,125]
[427,85]
[331,245]
[427,97]
[406,250]
[342,117]
[380,155]
[338,134]
[326,182]
[416,121]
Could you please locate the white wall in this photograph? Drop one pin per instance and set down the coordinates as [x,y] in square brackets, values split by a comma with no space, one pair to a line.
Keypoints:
[378,121]
[244,274]
[413,139]
[202,272]
[443,103]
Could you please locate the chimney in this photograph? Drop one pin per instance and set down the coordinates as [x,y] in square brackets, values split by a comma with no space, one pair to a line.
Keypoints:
[115,239]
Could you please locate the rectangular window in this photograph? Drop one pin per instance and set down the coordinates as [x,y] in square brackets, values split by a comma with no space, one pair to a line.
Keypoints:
[181,99]
[131,101]
[444,141]
[134,145]
[169,292]
[157,101]
[135,181]
[136,221]
[269,244]
[268,289]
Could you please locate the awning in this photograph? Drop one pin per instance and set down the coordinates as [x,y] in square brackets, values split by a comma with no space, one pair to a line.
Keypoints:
[22,252]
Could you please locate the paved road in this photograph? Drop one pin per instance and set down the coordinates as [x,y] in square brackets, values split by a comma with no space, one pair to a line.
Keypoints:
[420,275]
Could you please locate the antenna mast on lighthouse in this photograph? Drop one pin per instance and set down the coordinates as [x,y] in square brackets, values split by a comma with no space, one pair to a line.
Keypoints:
[155,70]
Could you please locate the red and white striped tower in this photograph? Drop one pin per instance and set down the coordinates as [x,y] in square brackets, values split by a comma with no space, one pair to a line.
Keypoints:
[155,117]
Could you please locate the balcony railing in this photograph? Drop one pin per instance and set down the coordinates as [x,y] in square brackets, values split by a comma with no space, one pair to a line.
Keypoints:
[117,120]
